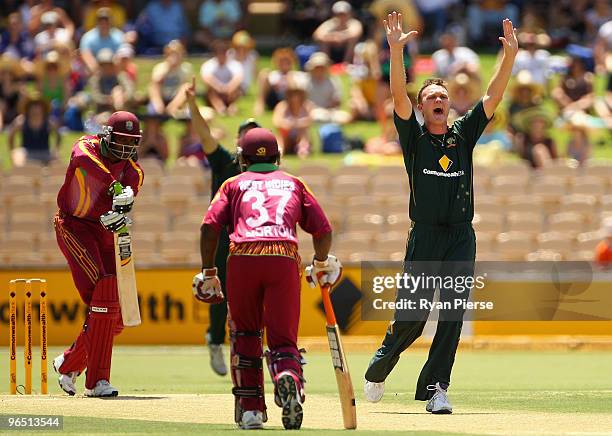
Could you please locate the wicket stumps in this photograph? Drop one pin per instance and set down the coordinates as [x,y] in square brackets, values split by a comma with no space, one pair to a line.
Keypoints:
[27,344]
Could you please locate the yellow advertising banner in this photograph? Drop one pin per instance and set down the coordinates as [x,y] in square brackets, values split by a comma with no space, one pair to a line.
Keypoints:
[170,314]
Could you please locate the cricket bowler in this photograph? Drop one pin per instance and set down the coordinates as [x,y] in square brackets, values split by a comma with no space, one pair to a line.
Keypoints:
[89,212]
[223,166]
[438,160]
[260,209]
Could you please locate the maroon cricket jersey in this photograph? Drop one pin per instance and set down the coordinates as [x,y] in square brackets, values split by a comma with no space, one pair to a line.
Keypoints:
[85,192]
[264,204]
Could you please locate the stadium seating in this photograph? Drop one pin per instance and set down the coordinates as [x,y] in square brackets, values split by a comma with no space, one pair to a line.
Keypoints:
[554,213]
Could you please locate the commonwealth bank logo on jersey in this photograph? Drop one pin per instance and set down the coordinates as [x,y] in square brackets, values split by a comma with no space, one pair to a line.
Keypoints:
[445,162]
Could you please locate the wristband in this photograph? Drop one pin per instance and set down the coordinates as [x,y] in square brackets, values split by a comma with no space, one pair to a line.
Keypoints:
[209,272]
[320,263]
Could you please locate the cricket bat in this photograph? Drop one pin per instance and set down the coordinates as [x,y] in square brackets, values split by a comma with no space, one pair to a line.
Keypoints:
[126,276]
[343,377]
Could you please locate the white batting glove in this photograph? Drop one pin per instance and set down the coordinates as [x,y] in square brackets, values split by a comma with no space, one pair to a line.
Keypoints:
[123,202]
[206,286]
[324,273]
[113,221]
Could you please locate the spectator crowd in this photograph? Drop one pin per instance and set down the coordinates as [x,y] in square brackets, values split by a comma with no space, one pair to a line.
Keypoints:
[66,66]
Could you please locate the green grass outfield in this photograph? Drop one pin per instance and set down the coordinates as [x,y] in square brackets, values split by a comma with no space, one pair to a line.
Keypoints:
[499,392]
[365,130]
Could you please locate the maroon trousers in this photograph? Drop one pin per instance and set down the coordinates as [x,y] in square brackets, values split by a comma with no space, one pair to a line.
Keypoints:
[89,251]
[262,291]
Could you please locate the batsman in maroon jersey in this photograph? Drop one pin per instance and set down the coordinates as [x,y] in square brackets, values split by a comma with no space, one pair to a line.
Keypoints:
[260,209]
[89,212]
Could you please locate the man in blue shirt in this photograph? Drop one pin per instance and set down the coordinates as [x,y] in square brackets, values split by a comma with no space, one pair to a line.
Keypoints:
[100,37]
[161,22]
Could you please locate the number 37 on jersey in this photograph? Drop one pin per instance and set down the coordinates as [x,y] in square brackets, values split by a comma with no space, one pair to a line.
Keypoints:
[265,206]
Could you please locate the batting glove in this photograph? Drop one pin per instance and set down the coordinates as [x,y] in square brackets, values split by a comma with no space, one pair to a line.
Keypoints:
[206,286]
[123,202]
[324,273]
[113,221]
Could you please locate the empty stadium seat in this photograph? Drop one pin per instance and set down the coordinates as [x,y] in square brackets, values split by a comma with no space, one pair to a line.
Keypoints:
[488,222]
[556,241]
[543,255]
[485,241]
[598,169]
[487,204]
[382,188]
[176,193]
[362,172]
[568,222]
[363,204]
[178,247]
[318,184]
[191,221]
[589,185]
[396,204]
[348,185]
[559,168]
[310,169]
[524,203]
[519,170]
[508,185]
[515,245]
[606,202]
[587,241]
[354,242]
[580,203]
[16,186]
[524,221]
[549,188]
[398,222]
[391,242]
[29,216]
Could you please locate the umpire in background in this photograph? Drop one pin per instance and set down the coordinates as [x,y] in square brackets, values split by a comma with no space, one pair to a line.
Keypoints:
[438,160]
[223,165]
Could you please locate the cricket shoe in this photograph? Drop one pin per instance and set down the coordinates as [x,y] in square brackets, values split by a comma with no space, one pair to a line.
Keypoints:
[217,360]
[373,391]
[251,420]
[438,404]
[102,389]
[291,395]
[66,381]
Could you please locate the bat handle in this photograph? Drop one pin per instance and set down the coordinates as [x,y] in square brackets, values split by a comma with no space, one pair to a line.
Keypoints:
[327,304]
[117,188]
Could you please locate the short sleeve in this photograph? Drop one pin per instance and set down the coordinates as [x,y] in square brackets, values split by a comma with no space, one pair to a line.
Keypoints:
[86,41]
[219,209]
[472,124]
[219,159]
[133,176]
[313,219]
[408,130]
[159,72]
[235,67]
[208,67]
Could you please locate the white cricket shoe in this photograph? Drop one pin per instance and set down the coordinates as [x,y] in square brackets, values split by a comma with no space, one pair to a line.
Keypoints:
[66,381]
[438,404]
[217,360]
[251,420]
[102,389]
[373,391]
